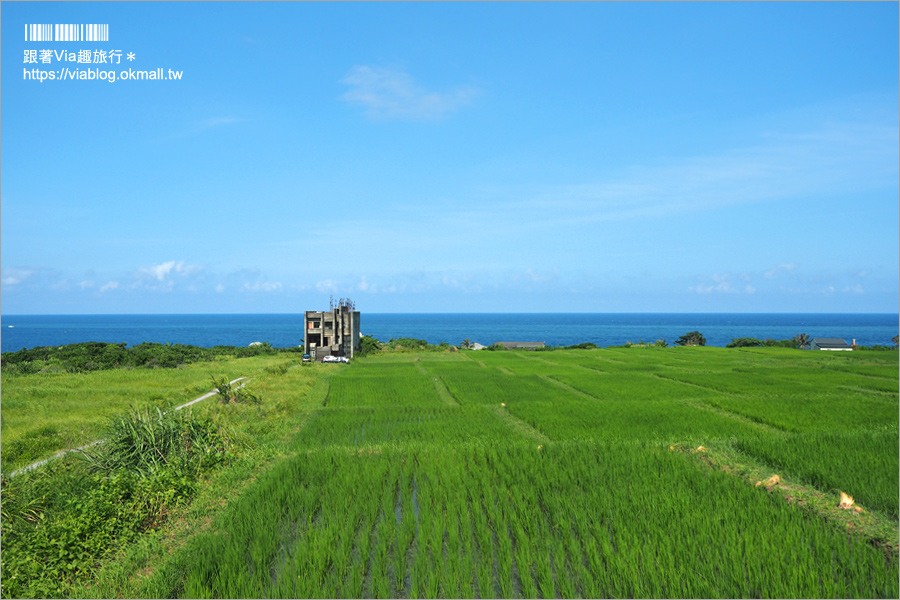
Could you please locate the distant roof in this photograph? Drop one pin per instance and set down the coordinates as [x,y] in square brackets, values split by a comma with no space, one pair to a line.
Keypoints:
[831,342]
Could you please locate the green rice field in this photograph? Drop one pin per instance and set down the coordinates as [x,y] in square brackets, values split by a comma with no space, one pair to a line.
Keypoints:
[568,474]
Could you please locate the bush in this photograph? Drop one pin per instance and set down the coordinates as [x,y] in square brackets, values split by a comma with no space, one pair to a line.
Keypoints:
[61,521]
[744,343]
[368,345]
[92,356]
[148,440]
[582,346]
[768,342]
[694,338]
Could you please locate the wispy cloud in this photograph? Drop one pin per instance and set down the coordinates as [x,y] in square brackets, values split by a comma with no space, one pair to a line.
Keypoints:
[16,276]
[163,276]
[720,284]
[327,286]
[162,271]
[217,122]
[262,286]
[389,94]
[825,161]
[199,126]
[109,286]
[838,159]
[785,268]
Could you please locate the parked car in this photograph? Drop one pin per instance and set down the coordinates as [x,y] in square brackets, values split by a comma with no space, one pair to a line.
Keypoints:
[344,359]
[307,358]
[330,359]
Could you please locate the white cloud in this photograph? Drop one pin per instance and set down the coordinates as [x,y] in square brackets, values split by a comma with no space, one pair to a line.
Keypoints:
[721,284]
[722,287]
[109,286]
[14,276]
[220,288]
[86,284]
[161,271]
[387,94]
[536,277]
[262,286]
[327,286]
[788,267]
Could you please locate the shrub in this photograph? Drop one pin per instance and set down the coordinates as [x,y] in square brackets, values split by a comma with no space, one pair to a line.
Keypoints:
[694,338]
[744,343]
[368,345]
[582,346]
[143,441]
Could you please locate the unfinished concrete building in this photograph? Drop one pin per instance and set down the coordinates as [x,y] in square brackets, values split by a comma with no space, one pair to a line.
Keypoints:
[333,332]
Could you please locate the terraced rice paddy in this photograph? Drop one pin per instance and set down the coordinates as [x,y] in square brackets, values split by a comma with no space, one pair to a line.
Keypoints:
[569,474]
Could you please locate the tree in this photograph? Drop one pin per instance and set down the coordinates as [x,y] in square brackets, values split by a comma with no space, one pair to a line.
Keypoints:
[367,345]
[802,340]
[466,344]
[694,338]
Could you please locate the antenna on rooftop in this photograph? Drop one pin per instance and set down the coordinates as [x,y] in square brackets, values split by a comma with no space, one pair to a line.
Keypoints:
[346,304]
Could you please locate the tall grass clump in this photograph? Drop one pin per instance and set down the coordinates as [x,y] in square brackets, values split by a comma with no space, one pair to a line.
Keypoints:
[61,521]
[142,441]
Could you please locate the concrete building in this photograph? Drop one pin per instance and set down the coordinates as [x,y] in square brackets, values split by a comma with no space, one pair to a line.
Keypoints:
[333,332]
[829,344]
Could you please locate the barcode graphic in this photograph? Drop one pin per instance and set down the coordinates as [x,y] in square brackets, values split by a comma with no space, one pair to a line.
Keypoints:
[66,32]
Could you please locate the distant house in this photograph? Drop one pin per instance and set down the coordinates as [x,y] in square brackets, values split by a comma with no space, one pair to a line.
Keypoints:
[334,332]
[829,344]
[522,345]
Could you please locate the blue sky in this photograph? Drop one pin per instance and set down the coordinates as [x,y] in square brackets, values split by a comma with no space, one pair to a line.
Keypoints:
[462,157]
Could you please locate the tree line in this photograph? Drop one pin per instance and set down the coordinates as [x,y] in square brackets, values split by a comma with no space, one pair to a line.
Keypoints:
[93,356]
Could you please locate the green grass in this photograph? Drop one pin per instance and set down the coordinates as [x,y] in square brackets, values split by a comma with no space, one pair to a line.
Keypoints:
[854,462]
[526,474]
[636,520]
[44,413]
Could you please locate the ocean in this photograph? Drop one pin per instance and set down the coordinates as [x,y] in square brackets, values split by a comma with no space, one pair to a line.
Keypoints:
[555,329]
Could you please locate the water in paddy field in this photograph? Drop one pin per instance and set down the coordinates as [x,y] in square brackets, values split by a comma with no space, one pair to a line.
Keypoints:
[555,329]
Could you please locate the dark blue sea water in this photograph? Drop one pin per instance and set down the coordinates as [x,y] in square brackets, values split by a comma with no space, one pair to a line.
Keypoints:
[558,329]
